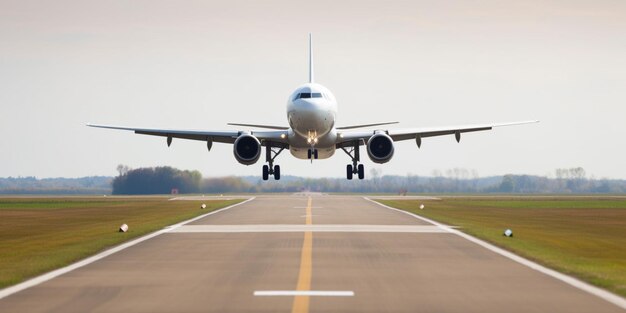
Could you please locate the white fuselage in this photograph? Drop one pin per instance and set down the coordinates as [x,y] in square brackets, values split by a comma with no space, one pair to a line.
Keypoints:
[311,112]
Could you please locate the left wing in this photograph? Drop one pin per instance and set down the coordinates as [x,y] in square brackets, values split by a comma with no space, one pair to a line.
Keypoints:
[365,125]
[278,138]
[349,138]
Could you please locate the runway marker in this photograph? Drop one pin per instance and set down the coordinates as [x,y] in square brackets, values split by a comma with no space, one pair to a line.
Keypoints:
[198,198]
[308,293]
[308,215]
[295,228]
[598,292]
[64,270]
[301,302]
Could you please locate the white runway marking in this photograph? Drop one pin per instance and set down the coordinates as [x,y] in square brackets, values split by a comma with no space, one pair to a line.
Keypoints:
[310,215]
[281,228]
[200,198]
[405,198]
[46,277]
[314,293]
[601,293]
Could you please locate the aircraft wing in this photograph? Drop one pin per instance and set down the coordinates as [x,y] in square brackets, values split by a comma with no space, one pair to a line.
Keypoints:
[276,137]
[365,125]
[348,138]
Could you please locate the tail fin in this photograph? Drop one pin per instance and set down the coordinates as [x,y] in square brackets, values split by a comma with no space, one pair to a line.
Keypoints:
[311,80]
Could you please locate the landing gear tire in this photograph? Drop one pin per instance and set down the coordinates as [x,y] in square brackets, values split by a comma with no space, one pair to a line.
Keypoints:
[349,172]
[312,154]
[277,172]
[361,171]
[266,172]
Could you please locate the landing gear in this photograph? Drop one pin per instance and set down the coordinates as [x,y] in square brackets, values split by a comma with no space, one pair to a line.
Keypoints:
[359,170]
[312,153]
[355,167]
[275,172]
[271,169]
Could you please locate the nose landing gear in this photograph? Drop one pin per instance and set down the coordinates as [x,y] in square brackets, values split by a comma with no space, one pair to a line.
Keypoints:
[312,153]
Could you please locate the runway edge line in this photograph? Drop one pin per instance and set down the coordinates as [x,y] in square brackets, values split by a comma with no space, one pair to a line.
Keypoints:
[64,270]
[596,291]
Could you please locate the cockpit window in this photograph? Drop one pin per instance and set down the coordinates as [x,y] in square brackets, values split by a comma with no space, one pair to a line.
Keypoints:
[307,95]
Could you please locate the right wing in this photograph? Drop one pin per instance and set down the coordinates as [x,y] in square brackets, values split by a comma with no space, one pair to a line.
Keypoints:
[278,138]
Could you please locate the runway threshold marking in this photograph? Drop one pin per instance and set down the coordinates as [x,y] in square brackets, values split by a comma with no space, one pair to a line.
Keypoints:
[301,302]
[283,228]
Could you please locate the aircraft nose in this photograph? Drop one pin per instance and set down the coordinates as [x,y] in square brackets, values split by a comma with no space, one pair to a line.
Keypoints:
[311,104]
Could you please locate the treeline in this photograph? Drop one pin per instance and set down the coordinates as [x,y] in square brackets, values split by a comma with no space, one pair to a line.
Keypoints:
[457,180]
[509,184]
[61,186]
[165,180]
[156,180]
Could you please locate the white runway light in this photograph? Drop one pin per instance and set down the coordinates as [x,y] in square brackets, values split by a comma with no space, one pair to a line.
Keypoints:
[508,233]
[123,228]
[421,206]
[203,206]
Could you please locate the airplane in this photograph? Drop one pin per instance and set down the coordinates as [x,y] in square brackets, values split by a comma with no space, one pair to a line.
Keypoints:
[312,133]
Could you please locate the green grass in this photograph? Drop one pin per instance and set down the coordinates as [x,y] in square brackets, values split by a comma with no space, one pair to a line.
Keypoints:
[38,234]
[583,237]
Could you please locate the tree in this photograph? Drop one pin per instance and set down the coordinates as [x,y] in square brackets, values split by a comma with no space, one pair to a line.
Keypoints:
[157,180]
[507,184]
[122,169]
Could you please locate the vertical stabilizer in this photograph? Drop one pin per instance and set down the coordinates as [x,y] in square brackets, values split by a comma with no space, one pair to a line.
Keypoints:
[311,80]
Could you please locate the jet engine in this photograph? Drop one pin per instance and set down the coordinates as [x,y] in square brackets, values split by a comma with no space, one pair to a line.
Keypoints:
[247,149]
[380,148]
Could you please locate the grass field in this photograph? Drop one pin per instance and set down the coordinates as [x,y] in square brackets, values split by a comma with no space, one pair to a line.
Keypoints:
[583,237]
[41,234]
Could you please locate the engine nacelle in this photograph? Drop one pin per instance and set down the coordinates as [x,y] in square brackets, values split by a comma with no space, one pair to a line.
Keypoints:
[247,149]
[380,148]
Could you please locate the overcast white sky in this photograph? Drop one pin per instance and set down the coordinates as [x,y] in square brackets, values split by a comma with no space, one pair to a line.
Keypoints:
[201,64]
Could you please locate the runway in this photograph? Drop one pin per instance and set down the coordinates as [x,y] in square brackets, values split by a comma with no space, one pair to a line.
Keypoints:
[305,253]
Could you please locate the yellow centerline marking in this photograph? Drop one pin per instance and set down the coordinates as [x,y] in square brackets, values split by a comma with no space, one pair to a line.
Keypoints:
[301,303]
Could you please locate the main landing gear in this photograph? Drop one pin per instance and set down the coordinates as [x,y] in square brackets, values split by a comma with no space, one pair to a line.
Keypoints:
[355,167]
[271,169]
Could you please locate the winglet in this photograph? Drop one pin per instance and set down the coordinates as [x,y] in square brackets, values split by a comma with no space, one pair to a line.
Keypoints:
[311,80]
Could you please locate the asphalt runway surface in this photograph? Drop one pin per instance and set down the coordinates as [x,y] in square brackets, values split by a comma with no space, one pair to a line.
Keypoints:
[305,253]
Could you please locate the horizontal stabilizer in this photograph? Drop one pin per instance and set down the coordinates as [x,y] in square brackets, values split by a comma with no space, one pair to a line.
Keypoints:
[365,125]
[260,126]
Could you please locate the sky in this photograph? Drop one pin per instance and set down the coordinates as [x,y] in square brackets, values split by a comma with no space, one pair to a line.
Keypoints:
[202,64]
